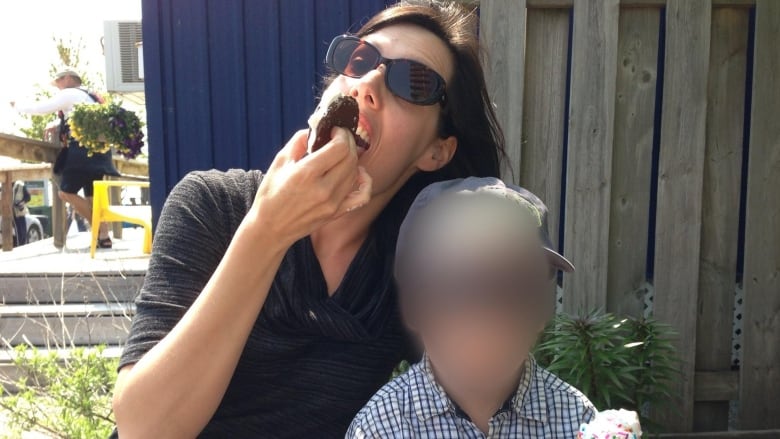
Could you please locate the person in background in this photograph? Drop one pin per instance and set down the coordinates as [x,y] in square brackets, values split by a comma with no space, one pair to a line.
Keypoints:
[77,170]
[475,271]
[21,198]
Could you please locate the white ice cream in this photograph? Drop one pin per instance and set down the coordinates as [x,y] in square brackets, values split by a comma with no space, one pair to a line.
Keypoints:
[612,424]
[319,113]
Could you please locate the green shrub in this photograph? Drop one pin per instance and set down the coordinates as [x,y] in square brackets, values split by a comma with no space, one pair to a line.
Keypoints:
[618,363]
[61,397]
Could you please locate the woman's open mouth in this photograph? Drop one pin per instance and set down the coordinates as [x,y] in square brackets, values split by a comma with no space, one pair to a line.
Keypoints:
[362,136]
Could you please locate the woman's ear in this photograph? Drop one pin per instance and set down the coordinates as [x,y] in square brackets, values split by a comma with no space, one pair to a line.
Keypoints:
[438,154]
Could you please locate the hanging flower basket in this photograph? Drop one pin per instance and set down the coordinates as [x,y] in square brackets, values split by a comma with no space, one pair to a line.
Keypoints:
[101,127]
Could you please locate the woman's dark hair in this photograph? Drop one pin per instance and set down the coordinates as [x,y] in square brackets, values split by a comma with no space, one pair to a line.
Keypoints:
[468,112]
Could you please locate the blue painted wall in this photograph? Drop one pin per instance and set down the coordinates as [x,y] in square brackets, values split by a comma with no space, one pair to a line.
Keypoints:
[228,81]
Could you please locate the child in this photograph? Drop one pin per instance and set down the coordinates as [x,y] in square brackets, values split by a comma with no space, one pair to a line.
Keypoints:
[475,271]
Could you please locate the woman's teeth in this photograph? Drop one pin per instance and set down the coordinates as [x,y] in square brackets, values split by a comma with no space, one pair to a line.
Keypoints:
[361,137]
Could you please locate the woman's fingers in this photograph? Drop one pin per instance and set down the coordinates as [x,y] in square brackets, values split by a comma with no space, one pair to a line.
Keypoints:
[340,147]
[301,192]
[359,197]
[297,149]
[349,184]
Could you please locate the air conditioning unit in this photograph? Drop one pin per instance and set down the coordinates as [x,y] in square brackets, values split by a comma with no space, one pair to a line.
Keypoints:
[123,63]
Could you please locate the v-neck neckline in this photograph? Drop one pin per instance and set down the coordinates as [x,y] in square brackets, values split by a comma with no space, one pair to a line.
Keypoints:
[321,282]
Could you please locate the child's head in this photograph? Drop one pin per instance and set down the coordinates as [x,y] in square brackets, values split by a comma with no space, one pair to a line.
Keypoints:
[475,271]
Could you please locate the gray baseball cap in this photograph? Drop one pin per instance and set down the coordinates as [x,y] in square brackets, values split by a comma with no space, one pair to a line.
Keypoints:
[481,185]
[65,73]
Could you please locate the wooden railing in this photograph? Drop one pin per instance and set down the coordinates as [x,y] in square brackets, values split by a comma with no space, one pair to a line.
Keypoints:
[46,152]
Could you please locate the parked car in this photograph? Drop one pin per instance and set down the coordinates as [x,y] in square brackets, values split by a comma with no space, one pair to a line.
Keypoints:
[34,229]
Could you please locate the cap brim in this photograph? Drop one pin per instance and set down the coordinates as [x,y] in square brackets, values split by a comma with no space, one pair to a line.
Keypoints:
[558,261]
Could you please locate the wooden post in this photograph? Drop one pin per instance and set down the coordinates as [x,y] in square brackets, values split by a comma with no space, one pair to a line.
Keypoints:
[6,199]
[58,219]
[544,109]
[760,367]
[680,179]
[588,181]
[720,205]
[502,33]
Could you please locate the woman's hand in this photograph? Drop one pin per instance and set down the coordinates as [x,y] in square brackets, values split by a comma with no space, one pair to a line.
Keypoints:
[300,192]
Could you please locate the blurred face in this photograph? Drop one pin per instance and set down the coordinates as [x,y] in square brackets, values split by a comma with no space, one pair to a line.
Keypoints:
[481,291]
[66,82]
[402,137]
[60,82]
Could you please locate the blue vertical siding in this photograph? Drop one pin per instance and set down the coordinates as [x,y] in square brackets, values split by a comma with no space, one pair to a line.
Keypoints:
[227,70]
[228,81]
[263,91]
[297,57]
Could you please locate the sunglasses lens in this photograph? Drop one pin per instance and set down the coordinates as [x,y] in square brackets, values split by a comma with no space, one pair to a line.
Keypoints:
[354,58]
[409,80]
[413,81]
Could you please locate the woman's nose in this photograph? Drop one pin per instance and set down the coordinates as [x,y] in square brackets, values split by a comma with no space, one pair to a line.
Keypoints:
[370,89]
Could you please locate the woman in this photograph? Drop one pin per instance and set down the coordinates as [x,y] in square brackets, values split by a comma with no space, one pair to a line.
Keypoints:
[268,307]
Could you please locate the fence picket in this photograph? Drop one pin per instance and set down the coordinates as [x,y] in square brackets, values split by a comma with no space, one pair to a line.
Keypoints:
[680,179]
[720,204]
[591,123]
[760,370]
[504,41]
[544,114]
[631,159]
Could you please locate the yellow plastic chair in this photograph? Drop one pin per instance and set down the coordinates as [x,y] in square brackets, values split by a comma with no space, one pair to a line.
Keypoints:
[103,211]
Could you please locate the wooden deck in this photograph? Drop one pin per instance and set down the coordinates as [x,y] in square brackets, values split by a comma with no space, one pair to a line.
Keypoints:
[58,299]
[43,259]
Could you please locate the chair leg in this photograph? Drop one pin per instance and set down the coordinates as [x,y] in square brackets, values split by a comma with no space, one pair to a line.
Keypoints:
[97,217]
[95,230]
[147,239]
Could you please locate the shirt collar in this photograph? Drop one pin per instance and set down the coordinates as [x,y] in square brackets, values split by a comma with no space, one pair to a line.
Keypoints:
[528,401]
[429,399]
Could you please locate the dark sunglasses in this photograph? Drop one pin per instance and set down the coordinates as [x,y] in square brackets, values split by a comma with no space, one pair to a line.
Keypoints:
[409,80]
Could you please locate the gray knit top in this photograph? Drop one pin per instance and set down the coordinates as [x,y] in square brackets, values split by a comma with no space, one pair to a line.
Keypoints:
[312,360]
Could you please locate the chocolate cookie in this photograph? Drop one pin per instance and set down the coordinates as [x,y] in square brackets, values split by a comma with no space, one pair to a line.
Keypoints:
[341,111]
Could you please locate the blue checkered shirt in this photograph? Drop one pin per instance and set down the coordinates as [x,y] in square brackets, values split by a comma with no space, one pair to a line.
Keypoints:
[415,406]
